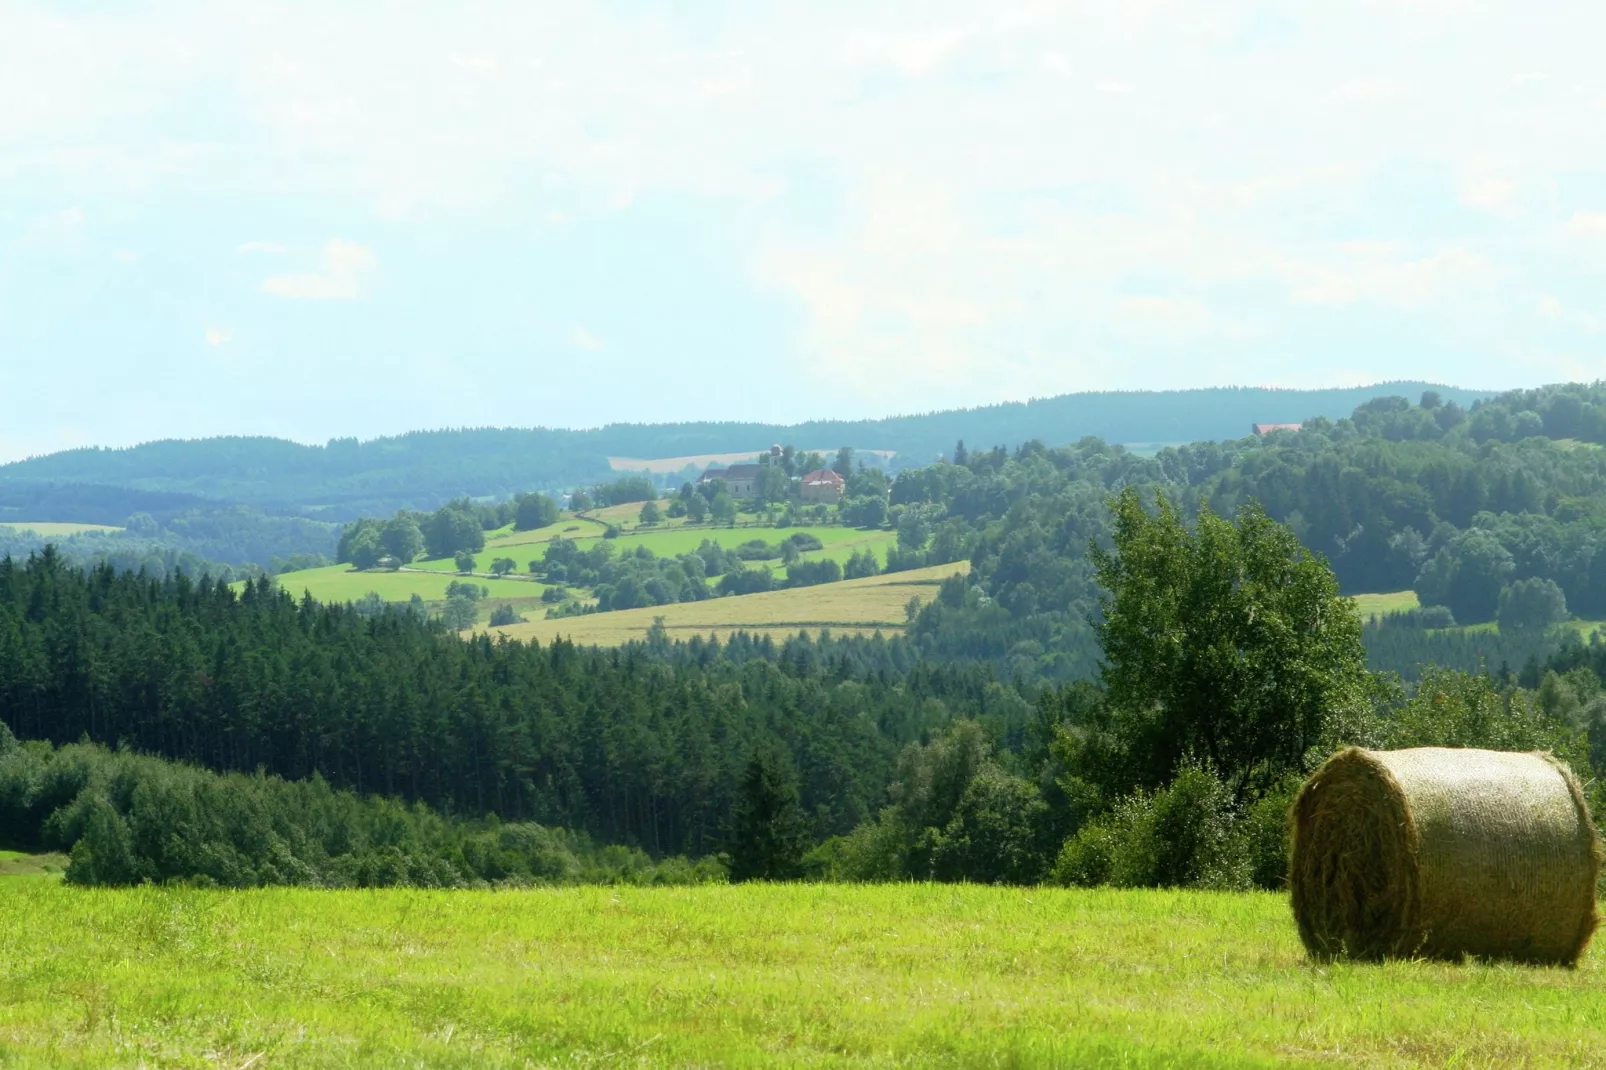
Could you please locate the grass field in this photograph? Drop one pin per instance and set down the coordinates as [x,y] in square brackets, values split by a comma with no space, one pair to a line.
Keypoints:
[1377,605]
[16,864]
[795,975]
[666,541]
[48,529]
[850,607]
[521,546]
[338,583]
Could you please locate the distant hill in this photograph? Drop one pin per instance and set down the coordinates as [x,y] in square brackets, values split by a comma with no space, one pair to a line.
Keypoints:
[348,478]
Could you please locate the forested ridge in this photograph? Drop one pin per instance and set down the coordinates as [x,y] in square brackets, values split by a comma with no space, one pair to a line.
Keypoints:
[419,470]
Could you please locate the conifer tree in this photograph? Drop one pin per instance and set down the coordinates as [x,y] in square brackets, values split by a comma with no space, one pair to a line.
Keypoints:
[769,833]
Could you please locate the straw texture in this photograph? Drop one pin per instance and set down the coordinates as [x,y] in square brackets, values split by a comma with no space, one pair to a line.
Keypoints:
[1444,853]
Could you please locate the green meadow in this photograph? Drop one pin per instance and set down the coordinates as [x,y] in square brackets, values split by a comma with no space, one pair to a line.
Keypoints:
[795,975]
[341,583]
[668,540]
[1378,605]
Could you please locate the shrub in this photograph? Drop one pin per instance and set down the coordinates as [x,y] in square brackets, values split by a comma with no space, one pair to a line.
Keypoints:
[757,550]
[810,573]
[860,564]
[505,614]
[1183,835]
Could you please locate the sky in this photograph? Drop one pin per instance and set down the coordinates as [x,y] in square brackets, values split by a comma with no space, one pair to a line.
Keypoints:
[338,218]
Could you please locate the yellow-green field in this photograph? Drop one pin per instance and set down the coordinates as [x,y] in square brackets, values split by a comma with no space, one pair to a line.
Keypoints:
[1377,605]
[47,529]
[791,975]
[340,583]
[850,607]
[16,864]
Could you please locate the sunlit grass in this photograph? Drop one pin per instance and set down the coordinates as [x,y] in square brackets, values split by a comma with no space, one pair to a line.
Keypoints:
[901,975]
[1378,605]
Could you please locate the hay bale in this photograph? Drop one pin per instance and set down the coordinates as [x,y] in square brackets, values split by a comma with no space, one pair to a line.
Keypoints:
[1444,853]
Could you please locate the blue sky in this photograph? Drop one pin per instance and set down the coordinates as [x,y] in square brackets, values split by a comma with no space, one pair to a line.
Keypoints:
[320,219]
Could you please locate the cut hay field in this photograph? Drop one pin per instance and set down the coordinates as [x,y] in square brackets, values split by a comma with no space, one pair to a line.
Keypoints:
[1377,605]
[50,529]
[849,607]
[795,975]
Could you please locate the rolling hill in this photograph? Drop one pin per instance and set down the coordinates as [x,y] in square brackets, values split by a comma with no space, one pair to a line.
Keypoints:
[346,478]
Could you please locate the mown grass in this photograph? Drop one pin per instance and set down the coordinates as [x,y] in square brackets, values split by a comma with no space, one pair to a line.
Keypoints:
[51,529]
[860,607]
[800,975]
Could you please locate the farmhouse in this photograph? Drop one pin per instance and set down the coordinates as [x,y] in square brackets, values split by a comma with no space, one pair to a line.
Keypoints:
[1266,429]
[741,480]
[822,485]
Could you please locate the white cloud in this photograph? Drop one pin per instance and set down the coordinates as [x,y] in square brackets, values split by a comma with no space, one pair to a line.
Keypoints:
[1367,89]
[1589,226]
[476,63]
[340,277]
[1490,194]
[998,215]
[1388,276]
[217,337]
[582,337]
[912,54]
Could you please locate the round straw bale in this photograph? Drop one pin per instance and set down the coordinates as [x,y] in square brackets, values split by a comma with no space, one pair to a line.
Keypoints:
[1442,853]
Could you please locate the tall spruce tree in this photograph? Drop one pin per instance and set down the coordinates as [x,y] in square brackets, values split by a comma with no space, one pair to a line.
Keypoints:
[769,833]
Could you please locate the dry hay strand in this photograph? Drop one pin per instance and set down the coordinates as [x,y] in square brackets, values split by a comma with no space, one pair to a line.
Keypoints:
[1444,853]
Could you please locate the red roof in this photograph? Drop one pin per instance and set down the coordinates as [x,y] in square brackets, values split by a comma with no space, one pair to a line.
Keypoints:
[822,475]
[1266,429]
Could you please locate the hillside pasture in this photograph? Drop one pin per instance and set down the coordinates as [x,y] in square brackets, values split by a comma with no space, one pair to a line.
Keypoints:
[521,546]
[46,529]
[670,540]
[798,975]
[342,583]
[1379,605]
[859,607]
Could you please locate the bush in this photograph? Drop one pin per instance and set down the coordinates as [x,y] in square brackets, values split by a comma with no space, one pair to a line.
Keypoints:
[746,581]
[805,542]
[1533,604]
[505,614]
[860,564]
[534,511]
[1183,835]
[810,573]
[127,819]
[757,550]
[624,491]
